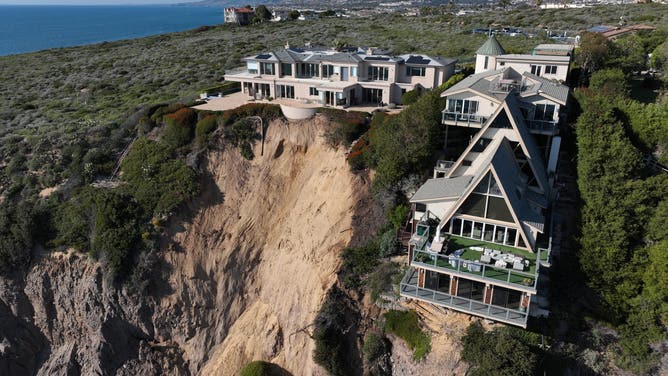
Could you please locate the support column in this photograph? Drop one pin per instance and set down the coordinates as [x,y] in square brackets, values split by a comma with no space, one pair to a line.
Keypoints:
[453,286]
[421,276]
[489,291]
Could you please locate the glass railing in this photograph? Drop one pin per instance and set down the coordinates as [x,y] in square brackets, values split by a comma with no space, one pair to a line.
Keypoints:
[541,125]
[464,118]
[409,288]
[498,275]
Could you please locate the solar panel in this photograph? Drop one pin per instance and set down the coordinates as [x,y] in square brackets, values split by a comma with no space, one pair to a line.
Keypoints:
[378,58]
[263,56]
[416,59]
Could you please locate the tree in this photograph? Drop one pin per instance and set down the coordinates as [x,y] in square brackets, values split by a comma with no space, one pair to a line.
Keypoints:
[262,13]
[627,54]
[502,351]
[593,51]
[609,82]
[659,58]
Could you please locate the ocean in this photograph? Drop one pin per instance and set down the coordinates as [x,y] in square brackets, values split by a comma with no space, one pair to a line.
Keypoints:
[34,28]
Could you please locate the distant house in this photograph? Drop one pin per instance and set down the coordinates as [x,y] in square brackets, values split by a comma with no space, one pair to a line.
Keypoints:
[481,228]
[239,16]
[339,78]
[491,56]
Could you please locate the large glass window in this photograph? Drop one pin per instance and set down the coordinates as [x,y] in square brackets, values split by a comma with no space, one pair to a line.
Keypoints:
[511,234]
[285,91]
[477,230]
[466,230]
[286,69]
[497,209]
[415,71]
[474,205]
[457,226]
[267,68]
[306,70]
[488,234]
[506,298]
[550,69]
[470,289]
[462,106]
[544,112]
[378,73]
[327,70]
[437,281]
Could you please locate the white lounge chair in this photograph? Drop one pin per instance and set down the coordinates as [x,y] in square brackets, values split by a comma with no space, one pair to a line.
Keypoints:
[518,265]
[485,258]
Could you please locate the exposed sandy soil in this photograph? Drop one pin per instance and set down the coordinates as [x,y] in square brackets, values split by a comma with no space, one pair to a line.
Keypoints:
[267,250]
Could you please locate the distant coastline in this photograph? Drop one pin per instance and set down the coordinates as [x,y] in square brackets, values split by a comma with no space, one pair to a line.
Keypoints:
[30,28]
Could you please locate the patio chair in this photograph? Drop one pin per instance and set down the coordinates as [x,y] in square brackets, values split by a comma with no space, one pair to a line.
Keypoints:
[500,264]
[485,258]
[518,265]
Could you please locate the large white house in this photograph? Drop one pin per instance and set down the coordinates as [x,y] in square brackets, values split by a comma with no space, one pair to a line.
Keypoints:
[339,78]
[481,228]
[550,61]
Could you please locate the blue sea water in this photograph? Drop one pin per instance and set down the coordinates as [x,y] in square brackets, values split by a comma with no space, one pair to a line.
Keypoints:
[33,28]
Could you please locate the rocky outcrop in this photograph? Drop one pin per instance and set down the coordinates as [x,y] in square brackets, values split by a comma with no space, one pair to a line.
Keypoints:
[242,274]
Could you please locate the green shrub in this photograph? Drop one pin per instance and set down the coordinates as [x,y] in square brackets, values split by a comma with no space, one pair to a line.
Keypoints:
[377,352]
[331,326]
[405,326]
[16,236]
[358,262]
[179,127]
[398,216]
[257,368]
[388,244]
[348,126]
[502,351]
[410,97]
[159,182]
[205,126]
[381,278]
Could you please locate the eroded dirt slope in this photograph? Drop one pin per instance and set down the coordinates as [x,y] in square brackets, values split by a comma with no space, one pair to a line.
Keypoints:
[241,278]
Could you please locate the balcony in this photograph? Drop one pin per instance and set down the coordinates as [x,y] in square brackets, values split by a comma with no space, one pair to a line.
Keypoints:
[542,126]
[479,260]
[464,120]
[409,288]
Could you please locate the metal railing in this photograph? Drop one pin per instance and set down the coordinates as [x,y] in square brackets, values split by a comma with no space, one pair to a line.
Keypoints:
[457,265]
[443,166]
[464,118]
[493,312]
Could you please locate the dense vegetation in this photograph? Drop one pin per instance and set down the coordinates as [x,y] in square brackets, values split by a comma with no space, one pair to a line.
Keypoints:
[405,325]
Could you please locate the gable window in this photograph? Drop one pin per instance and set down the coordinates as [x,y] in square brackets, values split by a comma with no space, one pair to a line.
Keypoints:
[312,91]
[286,69]
[544,112]
[486,62]
[378,73]
[486,201]
[550,69]
[416,71]
[267,68]
[535,69]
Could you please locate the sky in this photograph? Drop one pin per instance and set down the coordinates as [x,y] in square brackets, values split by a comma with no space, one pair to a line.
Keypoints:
[89,2]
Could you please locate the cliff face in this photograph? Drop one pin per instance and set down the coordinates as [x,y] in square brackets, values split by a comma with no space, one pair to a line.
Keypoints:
[240,279]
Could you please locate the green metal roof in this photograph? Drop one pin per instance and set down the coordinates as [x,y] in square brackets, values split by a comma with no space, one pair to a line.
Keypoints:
[491,47]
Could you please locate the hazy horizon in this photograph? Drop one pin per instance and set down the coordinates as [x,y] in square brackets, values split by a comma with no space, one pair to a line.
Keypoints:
[92,2]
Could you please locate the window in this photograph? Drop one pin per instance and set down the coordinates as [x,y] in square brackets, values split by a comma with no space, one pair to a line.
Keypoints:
[285,91]
[470,289]
[420,207]
[535,69]
[416,71]
[486,62]
[503,63]
[353,71]
[550,69]
[286,69]
[306,70]
[378,73]
[462,106]
[437,281]
[252,67]
[486,201]
[506,298]
[312,91]
[267,68]
[327,70]
[544,112]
